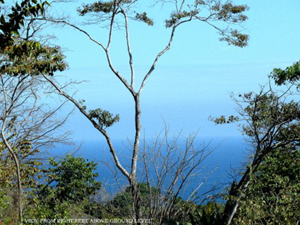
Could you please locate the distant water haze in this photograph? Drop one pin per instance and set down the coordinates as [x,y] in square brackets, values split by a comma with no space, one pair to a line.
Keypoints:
[227,158]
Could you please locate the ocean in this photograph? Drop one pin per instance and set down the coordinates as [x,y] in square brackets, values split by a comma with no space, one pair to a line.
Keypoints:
[226,159]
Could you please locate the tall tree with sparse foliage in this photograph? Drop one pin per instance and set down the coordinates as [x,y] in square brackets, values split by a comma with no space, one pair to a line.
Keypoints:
[223,16]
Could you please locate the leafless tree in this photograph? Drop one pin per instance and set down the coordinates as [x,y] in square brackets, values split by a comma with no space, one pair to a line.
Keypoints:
[170,178]
[170,167]
[26,122]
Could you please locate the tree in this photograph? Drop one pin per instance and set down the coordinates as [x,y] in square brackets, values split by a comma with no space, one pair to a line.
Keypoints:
[6,201]
[12,21]
[30,174]
[169,166]
[272,196]
[21,58]
[121,205]
[271,125]
[290,75]
[72,178]
[69,182]
[117,13]
[26,127]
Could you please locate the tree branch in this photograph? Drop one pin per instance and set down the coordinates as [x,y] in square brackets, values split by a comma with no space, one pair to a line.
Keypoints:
[167,48]
[129,49]
[99,128]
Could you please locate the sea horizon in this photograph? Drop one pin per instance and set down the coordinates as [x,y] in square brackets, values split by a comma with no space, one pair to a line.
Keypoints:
[227,157]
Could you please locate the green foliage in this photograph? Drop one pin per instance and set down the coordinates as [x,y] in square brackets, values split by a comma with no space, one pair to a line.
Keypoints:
[121,204]
[207,214]
[82,104]
[168,221]
[230,12]
[266,113]
[97,7]
[226,12]
[210,213]
[102,7]
[218,11]
[273,196]
[6,196]
[104,118]
[207,11]
[10,26]
[30,168]
[290,74]
[5,202]
[30,57]
[41,209]
[177,16]
[222,119]
[20,56]
[187,212]
[267,192]
[70,183]
[72,179]
[30,173]
[144,18]
[112,7]
[235,38]
[273,126]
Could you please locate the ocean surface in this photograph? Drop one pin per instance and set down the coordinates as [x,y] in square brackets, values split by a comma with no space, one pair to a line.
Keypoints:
[226,158]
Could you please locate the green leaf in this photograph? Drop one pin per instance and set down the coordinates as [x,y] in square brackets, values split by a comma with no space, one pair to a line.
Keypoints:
[14,32]
[144,18]
[2,20]
[104,118]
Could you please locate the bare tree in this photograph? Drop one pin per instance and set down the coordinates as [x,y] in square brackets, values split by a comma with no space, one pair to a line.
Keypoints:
[170,166]
[26,123]
[170,178]
[115,14]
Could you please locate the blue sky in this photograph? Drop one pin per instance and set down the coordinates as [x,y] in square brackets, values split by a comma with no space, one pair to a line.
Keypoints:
[192,81]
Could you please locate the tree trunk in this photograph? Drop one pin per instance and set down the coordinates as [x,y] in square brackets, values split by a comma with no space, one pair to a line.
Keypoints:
[136,202]
[134,184]
[18,172]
